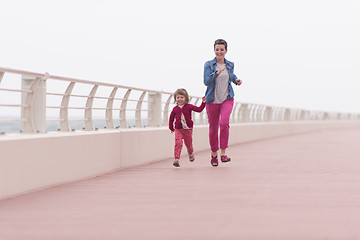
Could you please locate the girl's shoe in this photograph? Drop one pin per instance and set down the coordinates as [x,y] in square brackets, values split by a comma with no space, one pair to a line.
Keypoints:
[176,163]
[225,158]
[214,161]
[191,157]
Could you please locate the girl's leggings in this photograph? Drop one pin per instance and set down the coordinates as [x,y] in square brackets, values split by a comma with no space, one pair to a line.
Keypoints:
[181,134]
[219,115]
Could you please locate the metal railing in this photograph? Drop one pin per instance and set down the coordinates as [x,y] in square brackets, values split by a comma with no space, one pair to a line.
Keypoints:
[43,98]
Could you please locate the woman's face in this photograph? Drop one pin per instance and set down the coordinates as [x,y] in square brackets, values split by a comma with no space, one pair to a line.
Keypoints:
[220,51]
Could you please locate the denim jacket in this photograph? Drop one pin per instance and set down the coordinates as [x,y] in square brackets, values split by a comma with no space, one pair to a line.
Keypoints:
[210,79]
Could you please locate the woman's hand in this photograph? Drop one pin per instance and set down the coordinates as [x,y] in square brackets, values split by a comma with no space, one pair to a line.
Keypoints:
[221,68]
[238,81]
[204,99]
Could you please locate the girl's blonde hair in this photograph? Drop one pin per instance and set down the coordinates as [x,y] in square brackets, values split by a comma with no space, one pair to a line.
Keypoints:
[183,92]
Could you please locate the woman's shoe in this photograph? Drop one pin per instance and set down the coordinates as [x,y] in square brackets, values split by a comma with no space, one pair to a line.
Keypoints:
[191,157]
[214,161]
[225,158]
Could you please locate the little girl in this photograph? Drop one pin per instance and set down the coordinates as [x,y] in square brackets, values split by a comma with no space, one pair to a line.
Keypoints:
[181,113]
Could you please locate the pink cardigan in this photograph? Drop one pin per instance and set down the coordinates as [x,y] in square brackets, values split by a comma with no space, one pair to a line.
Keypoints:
[186,110]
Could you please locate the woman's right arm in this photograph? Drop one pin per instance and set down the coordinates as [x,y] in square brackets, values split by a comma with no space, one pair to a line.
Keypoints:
[209,74]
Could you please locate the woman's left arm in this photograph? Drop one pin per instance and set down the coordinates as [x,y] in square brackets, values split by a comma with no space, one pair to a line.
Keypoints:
[234,78]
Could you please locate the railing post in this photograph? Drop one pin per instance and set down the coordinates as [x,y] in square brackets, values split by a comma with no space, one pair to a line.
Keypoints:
[1,76]
[33,103]
[254,115]
[325,116]
[138,120]
[287,114]
[193,113]
[268,114]
[123,122]
[88,109]
[302,115]
[233,114]
[259,115]
[64,108]
[166,111]
[244,111]
[338,116]
[154,107]
[109,110]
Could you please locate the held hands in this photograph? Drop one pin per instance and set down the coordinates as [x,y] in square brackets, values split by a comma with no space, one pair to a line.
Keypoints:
[204,99]
[238,82]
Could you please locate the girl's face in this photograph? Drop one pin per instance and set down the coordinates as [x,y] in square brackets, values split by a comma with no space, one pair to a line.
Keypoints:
[180,99]
[220,51]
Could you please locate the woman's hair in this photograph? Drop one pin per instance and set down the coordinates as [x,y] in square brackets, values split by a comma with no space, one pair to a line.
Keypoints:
[183,92]
[220,42]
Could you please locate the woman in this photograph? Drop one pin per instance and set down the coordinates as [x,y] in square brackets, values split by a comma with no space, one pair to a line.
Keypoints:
[218,76]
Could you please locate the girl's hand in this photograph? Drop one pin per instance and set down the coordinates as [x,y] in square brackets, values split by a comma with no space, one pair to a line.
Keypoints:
[204,99]
[238,81]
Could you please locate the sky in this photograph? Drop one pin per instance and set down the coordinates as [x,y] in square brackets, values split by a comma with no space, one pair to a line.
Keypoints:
[288,53]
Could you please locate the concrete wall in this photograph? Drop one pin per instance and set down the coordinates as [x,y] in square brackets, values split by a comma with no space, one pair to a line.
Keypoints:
[33,162]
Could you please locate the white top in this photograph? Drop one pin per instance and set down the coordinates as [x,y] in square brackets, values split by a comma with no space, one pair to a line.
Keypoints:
[222,85]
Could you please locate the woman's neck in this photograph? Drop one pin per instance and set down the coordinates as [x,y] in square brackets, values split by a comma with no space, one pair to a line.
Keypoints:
[220,60]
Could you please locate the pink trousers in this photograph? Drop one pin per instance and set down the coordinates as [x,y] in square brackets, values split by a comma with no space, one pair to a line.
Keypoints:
[218,116]
[180,135]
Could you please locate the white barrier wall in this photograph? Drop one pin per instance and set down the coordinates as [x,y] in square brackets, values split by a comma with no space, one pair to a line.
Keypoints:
[36,161]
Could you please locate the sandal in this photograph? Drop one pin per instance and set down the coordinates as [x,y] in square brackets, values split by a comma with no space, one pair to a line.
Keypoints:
[225,158]
[214,161]
[191,157]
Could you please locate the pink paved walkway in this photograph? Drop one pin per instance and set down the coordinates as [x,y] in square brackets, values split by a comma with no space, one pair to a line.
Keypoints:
[296,187]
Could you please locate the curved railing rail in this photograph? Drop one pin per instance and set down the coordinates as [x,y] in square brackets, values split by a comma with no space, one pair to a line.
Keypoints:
[41,102]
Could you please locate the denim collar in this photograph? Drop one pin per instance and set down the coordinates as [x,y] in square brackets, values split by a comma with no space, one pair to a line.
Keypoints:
[214,61]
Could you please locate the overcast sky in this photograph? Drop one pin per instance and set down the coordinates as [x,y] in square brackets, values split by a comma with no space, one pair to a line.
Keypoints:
[301,54]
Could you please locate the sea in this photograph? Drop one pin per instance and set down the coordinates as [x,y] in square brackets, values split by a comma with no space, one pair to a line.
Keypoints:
[15,127]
